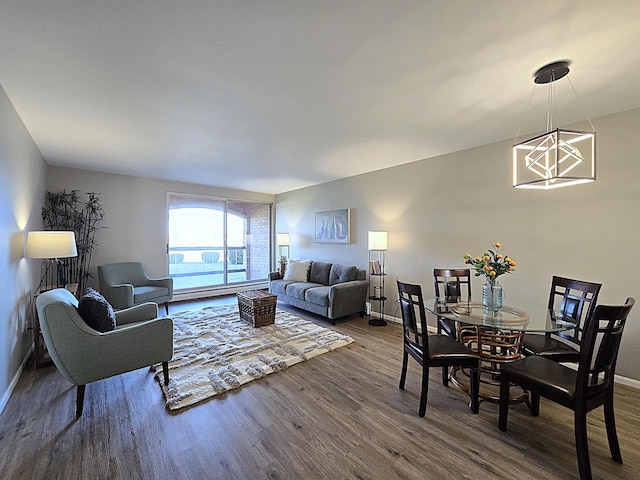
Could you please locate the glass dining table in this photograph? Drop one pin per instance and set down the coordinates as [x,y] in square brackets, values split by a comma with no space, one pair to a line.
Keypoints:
[496,336]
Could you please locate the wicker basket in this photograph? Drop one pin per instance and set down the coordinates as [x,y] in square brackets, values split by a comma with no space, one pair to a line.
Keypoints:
[257,307]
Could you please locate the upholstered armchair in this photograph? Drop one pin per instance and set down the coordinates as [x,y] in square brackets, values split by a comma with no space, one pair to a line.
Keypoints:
[84,355]
[126,284]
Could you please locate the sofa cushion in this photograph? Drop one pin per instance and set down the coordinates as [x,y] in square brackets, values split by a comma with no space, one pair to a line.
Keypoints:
[298,289]
[320,273]
[342,273]
[96,311]
[318,295]
[297,270]
[148,293]
[279,286]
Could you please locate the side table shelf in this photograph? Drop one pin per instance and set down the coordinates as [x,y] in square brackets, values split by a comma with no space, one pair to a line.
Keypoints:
[376,286]
[377,249]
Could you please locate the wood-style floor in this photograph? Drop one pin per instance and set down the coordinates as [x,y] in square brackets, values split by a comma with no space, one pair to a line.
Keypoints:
[340,415]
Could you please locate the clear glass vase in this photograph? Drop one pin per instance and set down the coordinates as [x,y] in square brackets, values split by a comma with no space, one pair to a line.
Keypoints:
[492,296]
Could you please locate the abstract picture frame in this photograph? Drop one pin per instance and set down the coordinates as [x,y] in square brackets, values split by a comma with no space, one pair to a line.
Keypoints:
[333,226]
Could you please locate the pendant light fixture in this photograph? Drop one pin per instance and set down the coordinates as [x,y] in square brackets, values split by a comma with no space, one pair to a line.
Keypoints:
[559,157]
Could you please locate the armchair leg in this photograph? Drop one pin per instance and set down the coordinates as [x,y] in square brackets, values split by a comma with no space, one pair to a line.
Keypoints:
[165,372]
[79,400]
[166,307]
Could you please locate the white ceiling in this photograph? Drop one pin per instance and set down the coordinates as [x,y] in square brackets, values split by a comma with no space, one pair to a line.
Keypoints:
[275,95]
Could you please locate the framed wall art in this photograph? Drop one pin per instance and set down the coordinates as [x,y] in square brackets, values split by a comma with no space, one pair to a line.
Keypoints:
[333,226]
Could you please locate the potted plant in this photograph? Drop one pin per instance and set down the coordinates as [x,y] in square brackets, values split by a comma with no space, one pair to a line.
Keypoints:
[67,211]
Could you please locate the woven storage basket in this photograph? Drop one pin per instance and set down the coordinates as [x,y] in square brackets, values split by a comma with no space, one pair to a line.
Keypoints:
[257,308]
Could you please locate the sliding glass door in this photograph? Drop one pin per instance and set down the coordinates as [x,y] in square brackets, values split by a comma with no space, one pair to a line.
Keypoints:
[214,242]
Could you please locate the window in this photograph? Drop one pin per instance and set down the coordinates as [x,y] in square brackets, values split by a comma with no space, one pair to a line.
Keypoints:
[214,242]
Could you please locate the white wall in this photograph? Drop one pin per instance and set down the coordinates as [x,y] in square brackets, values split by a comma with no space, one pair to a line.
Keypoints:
[438,209]
[135,214]
[22,172]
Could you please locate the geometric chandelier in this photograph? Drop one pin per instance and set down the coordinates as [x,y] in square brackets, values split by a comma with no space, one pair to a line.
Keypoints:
[558,158]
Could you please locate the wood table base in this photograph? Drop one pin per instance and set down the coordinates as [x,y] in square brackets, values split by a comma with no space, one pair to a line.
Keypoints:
[495,347]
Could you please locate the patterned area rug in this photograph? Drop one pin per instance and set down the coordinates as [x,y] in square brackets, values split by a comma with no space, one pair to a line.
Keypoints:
[214,351]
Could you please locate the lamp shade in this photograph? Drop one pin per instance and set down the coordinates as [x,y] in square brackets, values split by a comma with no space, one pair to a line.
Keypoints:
[283,239]
[377,240]
[51,244]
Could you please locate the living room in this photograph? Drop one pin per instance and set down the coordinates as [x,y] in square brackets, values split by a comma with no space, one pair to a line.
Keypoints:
[436,209]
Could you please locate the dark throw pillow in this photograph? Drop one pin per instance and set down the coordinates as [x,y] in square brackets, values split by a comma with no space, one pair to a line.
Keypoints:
[96,311]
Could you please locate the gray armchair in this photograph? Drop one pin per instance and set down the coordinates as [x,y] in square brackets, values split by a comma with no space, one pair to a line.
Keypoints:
[84,355]
[126,284]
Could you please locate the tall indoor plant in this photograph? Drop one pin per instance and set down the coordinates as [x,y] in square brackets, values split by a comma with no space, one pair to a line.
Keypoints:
[68,211]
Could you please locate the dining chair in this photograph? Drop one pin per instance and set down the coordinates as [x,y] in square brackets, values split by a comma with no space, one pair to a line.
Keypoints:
[431,350]
[451,283]
[583,390]
[571,301]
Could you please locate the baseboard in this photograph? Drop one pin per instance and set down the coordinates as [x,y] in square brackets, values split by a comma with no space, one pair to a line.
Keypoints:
[629,382]
[14,381]
[218,291]
[388,318]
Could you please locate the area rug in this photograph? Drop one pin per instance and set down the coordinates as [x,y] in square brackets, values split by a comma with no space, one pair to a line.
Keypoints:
[214,351]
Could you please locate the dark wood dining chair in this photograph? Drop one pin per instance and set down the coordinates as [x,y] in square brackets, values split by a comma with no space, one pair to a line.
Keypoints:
[431,350]
[583,390]
[575,301]
[451,283]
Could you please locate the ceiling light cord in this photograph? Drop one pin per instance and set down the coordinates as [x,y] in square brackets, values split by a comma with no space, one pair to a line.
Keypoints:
[584,110]
[552,103]
[515,140]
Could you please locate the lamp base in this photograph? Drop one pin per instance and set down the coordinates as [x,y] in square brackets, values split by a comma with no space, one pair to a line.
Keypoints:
[377,322]
[283,266]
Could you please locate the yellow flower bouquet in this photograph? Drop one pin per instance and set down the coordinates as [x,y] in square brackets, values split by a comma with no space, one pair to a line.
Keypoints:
[491,264]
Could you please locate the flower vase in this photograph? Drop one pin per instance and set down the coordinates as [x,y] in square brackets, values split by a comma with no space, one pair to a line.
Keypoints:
[492,296]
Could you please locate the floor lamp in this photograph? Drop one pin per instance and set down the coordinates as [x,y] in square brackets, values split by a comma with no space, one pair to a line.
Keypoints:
[283,246]
[377,250]
[51,246]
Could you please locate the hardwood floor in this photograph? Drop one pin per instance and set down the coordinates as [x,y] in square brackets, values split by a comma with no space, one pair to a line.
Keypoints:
[340,415]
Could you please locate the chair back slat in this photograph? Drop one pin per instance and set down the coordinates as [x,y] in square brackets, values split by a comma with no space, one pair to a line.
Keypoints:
[600,346]
[575,300]
[450,282]
[414,319]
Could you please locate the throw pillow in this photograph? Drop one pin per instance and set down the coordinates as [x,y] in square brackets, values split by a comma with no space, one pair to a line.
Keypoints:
[96,311]
[297,270]
[342,273]
[320,273]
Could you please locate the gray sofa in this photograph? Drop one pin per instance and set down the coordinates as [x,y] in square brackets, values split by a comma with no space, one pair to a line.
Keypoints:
[331,290]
